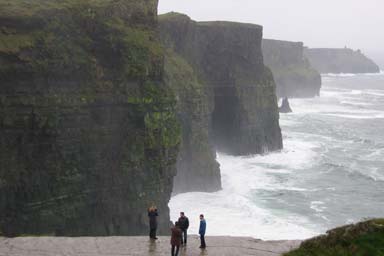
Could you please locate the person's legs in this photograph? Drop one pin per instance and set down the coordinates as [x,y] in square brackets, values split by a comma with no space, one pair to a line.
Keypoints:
[177,250]
[173,250]
[185,236]
[152,233]
[202,240]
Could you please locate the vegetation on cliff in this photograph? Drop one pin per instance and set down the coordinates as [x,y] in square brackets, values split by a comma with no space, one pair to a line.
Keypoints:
[362,239]
[197,169]
[227,58]
[88,129]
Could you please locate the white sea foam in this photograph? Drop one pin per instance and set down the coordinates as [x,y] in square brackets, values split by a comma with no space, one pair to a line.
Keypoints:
[318,206]
[233,211]
[241,209]
[339,74]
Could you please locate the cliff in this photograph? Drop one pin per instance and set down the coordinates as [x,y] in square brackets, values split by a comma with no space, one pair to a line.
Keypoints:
[294,76]
[197,168]
[365,238]
[340,61]
[88,129]
[228,61]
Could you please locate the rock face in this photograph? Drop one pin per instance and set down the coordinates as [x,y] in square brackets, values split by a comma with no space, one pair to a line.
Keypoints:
[285,107]
[294,76]
[197,168]
[228,61]
[88,129]
[340,61]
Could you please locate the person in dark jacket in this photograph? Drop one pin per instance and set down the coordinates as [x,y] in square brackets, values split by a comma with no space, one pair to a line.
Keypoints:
[176,239]
[184,225]
[202,228]
[152,215]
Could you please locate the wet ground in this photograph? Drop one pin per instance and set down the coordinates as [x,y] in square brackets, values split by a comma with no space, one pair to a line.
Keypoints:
[119,246]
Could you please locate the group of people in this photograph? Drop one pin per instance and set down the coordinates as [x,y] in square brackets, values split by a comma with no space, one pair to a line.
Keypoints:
[179,231]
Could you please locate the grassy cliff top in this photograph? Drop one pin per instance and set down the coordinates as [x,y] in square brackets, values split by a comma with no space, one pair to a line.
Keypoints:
[27,8]
[175,16]
[229,24]
[361,239]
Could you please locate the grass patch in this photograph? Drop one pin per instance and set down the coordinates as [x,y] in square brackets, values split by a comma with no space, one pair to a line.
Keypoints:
[362,239]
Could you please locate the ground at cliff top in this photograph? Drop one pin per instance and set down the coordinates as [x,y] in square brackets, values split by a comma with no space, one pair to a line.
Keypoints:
[116,246]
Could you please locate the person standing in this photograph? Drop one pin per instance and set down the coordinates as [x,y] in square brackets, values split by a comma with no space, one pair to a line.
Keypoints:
[152,215]
[202,228]
[176,239]
[184,224]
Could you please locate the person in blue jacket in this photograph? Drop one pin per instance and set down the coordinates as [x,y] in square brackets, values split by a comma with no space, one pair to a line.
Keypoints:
[202,228]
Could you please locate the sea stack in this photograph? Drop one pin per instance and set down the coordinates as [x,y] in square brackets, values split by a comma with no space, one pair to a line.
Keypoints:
[285,108]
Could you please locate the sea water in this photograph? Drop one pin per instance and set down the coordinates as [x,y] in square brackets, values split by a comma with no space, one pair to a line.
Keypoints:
[330,172]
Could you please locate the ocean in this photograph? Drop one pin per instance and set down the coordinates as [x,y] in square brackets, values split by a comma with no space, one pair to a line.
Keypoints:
[330,172]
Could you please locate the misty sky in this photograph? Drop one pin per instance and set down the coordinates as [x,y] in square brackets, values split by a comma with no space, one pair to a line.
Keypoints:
[327,23]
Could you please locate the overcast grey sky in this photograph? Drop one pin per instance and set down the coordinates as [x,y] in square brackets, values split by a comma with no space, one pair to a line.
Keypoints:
[325,23]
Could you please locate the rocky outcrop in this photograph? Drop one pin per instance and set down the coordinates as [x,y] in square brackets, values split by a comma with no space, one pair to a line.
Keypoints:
[88,128]
[285,107]
[343,60]
[228,61]
[294,76]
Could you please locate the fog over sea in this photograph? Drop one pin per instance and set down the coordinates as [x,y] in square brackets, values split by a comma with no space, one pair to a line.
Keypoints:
[330,172]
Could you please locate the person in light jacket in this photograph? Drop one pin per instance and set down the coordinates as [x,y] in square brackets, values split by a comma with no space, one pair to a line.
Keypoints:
[202,228]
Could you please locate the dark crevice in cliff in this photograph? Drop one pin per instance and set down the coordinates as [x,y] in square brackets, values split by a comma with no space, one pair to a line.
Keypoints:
[226,119]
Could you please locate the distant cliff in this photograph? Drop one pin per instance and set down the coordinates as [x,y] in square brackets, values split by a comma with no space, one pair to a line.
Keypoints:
[228,61]
[294,76]
[88,128]
[340,61]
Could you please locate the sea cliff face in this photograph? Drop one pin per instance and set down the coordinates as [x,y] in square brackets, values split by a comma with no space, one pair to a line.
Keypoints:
[197,168]
[294,76]
[343,60]
[88,129]
[228,61]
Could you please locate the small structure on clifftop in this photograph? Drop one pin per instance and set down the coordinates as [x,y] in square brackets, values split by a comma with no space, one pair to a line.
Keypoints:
[285,108]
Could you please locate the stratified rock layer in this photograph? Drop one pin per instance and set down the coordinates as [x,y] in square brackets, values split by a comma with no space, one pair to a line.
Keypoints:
[88,129]
[294,76]
[228,61]
[343,60]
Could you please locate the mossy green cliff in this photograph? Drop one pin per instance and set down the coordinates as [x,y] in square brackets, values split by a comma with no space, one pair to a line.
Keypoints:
[294,76]
[197,169]
[88,129]
[227,60]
